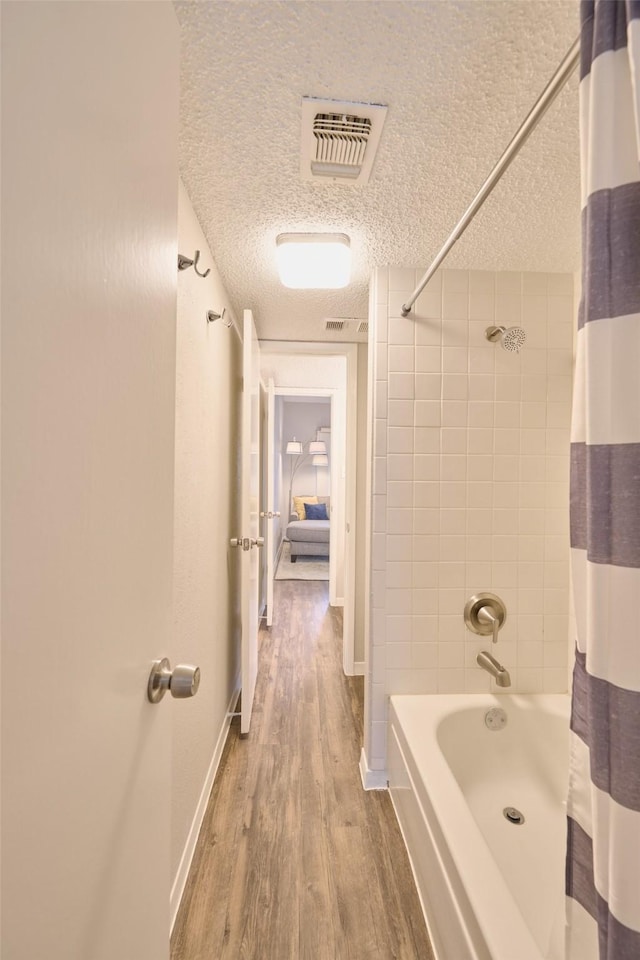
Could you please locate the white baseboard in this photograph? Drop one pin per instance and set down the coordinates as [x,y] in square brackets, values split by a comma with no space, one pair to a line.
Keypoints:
[372,779]
[182,874]
[355,668]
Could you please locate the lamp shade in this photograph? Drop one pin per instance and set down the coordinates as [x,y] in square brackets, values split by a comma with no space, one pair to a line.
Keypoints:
[320,460]
[294,447]
[317,446]
[313,261]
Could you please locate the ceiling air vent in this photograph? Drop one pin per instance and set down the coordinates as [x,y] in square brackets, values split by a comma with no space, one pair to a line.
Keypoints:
[363,326]
[339,139]
[334,325]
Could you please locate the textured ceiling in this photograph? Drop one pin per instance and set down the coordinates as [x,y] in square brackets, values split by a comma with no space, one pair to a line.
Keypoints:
[458,78]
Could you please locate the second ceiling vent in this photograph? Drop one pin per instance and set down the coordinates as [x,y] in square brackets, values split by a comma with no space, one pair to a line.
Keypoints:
[339,139]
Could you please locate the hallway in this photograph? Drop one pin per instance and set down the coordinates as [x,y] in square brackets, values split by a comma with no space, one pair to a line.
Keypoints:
[295,861]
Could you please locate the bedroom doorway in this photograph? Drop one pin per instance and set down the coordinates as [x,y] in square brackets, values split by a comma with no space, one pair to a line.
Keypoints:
[310,496]
[312,395]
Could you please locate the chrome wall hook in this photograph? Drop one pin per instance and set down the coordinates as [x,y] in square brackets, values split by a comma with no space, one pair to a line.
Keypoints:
[213,315]
[195,266]
[185,262]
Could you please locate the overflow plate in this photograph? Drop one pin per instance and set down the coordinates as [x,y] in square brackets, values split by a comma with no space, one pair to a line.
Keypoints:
[496,718]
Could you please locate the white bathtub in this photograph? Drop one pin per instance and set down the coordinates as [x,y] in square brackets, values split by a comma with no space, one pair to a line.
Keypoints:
[490,889]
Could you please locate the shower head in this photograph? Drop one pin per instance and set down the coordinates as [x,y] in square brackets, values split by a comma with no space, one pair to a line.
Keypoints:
[512,339]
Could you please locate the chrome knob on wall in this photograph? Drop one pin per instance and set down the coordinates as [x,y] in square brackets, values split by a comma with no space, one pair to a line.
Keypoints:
[182,682]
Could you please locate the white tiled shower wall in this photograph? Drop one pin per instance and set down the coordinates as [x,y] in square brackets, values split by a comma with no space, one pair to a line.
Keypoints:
[470,483]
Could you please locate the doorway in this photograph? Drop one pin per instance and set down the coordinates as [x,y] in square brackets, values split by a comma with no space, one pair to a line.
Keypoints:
[306,418]
[314,375]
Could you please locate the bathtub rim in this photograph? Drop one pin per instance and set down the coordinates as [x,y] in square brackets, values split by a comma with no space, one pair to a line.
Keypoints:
[488,894]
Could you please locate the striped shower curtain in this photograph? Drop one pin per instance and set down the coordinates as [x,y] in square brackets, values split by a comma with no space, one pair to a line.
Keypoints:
[603,852]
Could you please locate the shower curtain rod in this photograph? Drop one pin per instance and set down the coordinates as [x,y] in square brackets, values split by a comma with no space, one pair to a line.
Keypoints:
[544,101]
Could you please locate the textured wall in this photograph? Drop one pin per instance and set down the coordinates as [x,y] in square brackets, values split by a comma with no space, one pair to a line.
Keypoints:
[470,484]
[206,588]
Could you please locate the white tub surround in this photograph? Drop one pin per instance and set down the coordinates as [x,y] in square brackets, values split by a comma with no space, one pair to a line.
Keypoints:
[490,889]
[470,493]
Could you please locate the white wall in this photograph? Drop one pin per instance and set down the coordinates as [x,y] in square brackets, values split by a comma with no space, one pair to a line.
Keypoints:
[361,507]
[206,587]
[470,483]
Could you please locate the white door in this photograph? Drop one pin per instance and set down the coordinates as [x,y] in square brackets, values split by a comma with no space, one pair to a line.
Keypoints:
[272,516]
[89,225]
[250,516]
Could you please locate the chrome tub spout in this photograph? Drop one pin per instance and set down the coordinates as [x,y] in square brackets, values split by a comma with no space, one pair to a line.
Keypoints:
[491,665]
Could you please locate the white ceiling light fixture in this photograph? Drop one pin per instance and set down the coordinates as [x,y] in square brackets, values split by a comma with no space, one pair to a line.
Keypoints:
[314,261]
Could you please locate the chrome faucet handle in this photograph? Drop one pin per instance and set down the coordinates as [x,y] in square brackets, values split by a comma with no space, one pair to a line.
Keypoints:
[486,617]
[485,614]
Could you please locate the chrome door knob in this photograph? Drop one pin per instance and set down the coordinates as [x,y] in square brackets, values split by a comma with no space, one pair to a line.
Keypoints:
[185,681]
[247,542]
[182,682]
[242,542]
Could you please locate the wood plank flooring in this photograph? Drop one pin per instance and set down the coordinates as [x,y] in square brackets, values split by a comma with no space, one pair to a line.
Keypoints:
[295,860]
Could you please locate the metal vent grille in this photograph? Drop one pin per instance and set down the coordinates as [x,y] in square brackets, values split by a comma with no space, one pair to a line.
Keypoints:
[341,142]
[363,326]
[334,325]
[339,139]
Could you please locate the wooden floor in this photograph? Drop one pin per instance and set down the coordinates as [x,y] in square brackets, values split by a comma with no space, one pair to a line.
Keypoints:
[295,860]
